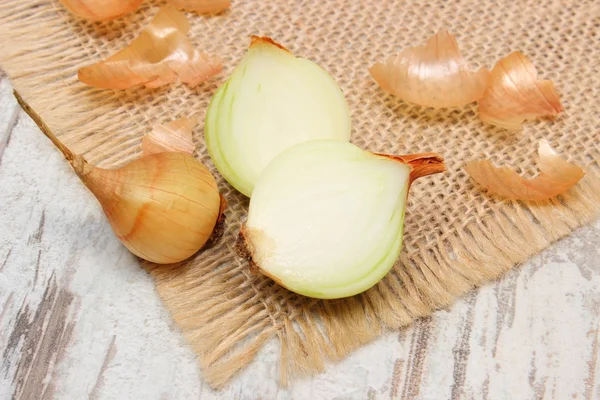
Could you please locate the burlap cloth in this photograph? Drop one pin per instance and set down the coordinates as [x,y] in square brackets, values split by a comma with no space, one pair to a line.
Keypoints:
[456,236]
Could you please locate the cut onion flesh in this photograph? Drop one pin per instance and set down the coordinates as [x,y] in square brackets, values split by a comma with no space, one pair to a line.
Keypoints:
[272,101]
[326,218]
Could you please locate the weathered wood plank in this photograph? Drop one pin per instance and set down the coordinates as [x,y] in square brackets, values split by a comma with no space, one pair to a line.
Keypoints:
[61,308]
[80,319]
[9,113]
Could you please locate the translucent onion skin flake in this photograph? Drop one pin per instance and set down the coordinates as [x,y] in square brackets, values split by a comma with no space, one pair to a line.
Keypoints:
[160,55]
[556,176]
[101,10]
[174,136]
[106,10]
[435,75]
[515,94]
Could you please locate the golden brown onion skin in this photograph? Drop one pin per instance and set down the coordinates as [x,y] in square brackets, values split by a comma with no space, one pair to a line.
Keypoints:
[516,94]
[160,55]
[174,136]
[101,10]
[163,207]
[435,75]
[556,176]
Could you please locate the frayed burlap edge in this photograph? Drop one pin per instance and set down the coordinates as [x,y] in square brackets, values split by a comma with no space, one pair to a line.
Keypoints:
[222,309]
[233,332]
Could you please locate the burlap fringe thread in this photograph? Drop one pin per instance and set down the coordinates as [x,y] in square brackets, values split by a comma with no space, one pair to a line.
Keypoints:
[226,313]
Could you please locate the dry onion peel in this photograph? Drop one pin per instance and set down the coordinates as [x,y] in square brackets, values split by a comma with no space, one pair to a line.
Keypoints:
[556,176]
[160,55]
[201,6]
[272,101]
[173,136]
[162,207]
[326,218]
[101,10]
[515,94]
[434,75]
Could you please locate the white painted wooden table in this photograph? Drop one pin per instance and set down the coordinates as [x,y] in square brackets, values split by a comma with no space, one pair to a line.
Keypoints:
[79,319]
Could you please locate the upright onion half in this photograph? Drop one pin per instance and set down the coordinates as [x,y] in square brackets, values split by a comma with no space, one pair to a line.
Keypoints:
[326,218]
[272,101]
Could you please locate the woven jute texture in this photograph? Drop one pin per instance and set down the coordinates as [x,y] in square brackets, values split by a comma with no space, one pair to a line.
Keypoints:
[457,237]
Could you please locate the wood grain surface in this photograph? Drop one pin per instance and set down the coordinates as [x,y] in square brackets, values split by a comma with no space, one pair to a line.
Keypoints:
[80,320]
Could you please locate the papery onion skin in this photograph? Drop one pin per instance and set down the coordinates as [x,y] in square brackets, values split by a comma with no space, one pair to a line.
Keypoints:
[556,177]
[162,207]
[201,6]
[435,75]
[160,55]
[101,10]
[326,218]
[174,136]
[515,94]
[175,199]
[272,101]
